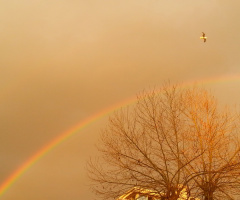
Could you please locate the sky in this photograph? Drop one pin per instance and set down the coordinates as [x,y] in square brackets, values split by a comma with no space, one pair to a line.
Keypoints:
[63,61]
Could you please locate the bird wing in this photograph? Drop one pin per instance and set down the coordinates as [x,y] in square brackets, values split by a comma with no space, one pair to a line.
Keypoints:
[205,40]
[203,34]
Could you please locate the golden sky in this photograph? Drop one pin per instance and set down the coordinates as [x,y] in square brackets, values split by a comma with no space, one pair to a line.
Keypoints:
[61,61]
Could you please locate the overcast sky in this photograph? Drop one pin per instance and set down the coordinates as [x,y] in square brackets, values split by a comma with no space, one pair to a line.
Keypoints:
[61,61]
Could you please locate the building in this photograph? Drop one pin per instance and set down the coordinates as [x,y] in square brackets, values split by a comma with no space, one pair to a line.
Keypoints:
[137,193]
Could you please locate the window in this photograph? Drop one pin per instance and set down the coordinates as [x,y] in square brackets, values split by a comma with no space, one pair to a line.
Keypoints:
[142,198]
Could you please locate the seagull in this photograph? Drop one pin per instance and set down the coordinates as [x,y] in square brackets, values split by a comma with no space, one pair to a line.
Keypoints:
[203,37]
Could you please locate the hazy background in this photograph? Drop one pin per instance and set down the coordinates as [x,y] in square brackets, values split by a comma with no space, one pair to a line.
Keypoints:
[61,61]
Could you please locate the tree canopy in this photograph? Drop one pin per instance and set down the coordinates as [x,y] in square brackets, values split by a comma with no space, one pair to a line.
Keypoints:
[171,137]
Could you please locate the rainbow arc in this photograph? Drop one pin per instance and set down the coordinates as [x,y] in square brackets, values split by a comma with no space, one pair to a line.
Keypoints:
[78,127]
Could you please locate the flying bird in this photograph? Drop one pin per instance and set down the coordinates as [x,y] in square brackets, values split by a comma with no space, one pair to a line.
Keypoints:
[203,37]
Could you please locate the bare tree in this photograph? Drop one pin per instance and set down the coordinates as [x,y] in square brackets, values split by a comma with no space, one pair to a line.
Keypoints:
[215,132]
[172,138]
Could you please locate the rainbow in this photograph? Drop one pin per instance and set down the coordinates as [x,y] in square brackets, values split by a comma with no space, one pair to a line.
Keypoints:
[78,127]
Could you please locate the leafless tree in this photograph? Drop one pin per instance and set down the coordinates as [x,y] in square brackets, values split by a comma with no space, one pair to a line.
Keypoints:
[171,138]
[215,132]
